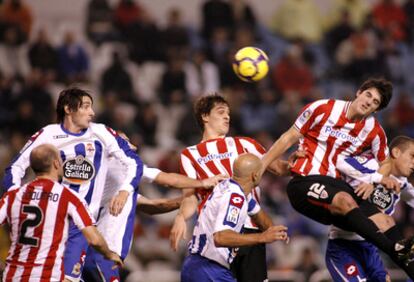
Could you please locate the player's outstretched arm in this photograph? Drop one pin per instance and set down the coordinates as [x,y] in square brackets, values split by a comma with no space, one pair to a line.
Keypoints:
[157,206]
[179,181]
[187,209]
[281,145]
[231,239]
[96,240]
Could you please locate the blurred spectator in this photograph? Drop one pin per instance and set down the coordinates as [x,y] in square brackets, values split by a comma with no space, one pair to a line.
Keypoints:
[392,58]
[307,264]
[298,19]
[43,56]
[117,81]
[173,84]
[244,36]
[356,10]
[127,12]
[338,33]
[175,35]
[16,13]
[6,99]
[24,121]
[292,73]
[287,111]
[202,75]
[35,92]
[219,47]
[409,12]
[404,111]
[216,14]
[145,40]
[259,115]
[13,56]
[99,21]
[147,121]
[390,17]
[73,60]
[243,14]
[358,56]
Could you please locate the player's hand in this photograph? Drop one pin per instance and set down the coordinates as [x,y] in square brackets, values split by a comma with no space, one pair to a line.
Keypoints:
[211,182]
[300,153]
[116,259]
[391,184]
[178,231]
[364,190]
[118,203]
[275,233]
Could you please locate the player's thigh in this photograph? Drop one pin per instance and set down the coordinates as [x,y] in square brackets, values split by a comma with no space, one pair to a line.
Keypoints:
[75,254]
[250,264]
[312,196]
[345,261]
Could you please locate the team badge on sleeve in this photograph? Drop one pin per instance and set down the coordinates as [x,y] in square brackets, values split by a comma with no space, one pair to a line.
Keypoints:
[233,210]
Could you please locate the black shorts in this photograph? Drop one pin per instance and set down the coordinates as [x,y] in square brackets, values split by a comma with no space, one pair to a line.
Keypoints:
[250,263]
[312,196]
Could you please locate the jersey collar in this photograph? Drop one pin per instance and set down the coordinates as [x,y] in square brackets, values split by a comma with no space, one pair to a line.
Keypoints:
[71,133]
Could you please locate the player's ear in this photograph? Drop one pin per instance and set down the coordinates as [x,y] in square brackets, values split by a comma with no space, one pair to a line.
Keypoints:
[204,117]
[395,152]
[67,109]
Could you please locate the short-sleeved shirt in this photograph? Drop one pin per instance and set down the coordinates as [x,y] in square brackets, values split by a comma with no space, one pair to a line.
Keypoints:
[225,209]
[38,214]
[328,133]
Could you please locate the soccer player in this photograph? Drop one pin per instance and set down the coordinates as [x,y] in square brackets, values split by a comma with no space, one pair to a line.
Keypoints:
[38,214]
[118,230]
[327,129]
[84,147]
[215,154]
[218,231]
[348,256]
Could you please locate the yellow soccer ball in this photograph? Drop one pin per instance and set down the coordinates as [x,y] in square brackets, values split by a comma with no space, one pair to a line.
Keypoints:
[251,64]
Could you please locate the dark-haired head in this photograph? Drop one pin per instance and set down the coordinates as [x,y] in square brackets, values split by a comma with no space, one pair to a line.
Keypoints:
[71,97]
[205,104]
[384,88]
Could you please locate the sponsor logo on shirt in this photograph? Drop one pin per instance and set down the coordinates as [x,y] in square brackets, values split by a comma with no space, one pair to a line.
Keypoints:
[61,136]
[340,135]
[212,157]
[351,269]
[382,197]
[78,170]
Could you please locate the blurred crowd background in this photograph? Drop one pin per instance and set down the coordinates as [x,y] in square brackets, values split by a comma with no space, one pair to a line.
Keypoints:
[145,62]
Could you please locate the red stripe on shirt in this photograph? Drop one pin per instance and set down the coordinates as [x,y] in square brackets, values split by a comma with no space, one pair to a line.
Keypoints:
[222,148]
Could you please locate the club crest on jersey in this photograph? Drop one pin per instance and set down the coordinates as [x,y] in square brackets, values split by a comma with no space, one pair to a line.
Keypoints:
[90,148]
[78,170]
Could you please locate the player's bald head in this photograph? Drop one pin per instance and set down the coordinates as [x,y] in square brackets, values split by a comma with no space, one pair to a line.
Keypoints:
[42,157]
[245,165]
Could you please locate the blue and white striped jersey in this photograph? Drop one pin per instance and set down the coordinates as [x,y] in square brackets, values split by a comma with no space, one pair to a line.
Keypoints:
[84,158]
[364,169]
[226,209]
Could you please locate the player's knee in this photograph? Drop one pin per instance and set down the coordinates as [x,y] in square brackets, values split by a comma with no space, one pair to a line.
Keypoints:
[342,203]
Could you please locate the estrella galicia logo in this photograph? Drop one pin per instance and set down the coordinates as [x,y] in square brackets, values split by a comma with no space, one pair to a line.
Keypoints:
[382,197]
[78,170]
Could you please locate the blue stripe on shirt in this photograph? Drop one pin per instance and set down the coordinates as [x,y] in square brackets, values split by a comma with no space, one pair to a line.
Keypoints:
[358,166]
[97,159]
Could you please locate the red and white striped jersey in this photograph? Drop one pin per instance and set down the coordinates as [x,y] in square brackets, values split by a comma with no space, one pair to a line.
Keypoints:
[38,215]
[216,156]
[327,133]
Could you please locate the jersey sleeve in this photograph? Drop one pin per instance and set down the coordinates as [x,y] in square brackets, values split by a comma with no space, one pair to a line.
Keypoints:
[78,210]
[119,148]
[359,168]
[253,206]
[186,166]
[3,208]
[379,144]
[231,213]
[17,168]
[149,174]
[308,115]
[407,194]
